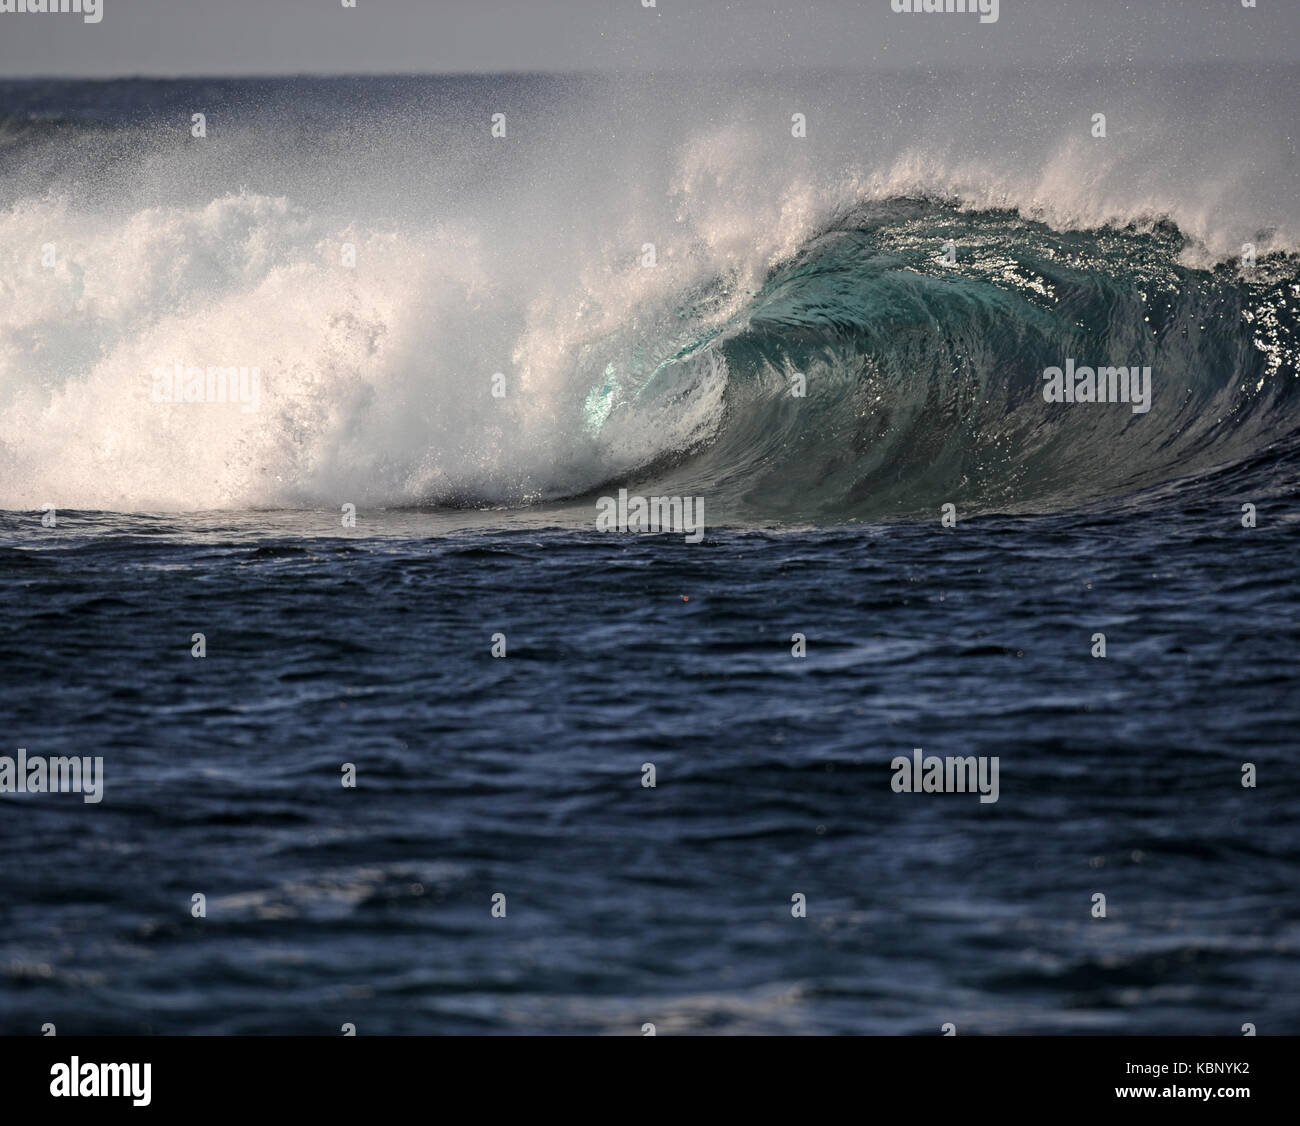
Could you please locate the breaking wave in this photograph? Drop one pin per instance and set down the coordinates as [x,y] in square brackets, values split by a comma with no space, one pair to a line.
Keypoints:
[627,290]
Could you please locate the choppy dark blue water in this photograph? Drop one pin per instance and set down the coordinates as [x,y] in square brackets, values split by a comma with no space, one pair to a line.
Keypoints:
[523,775]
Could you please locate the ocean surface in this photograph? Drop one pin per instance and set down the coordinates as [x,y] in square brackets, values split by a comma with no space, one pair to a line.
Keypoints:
[462,343]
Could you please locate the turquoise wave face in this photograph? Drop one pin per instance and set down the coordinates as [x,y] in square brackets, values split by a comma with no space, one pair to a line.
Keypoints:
[898,363]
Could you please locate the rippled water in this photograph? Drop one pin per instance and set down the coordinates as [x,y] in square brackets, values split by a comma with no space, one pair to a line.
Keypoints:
[671,905]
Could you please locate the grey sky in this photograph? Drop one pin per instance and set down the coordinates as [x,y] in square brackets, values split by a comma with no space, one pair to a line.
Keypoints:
[232,37]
